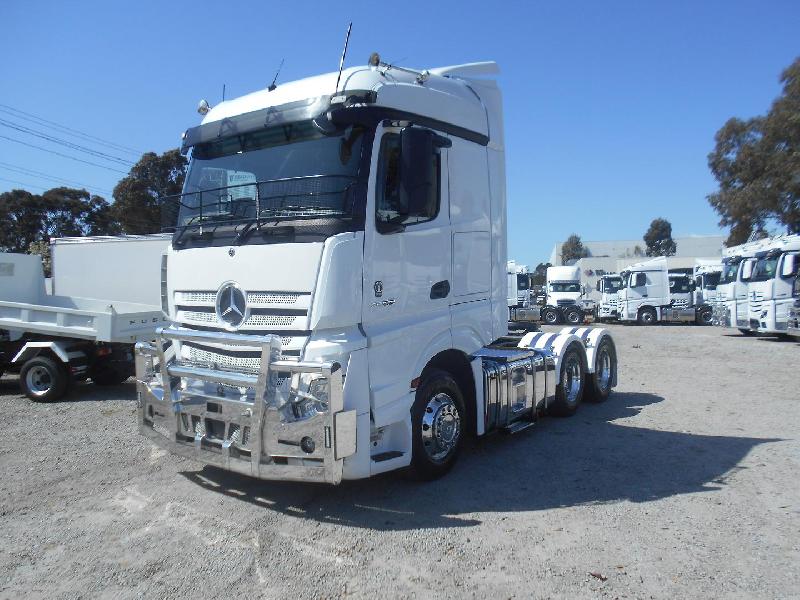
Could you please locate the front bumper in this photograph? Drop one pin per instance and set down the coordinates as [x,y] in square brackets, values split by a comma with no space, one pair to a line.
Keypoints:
[243,421]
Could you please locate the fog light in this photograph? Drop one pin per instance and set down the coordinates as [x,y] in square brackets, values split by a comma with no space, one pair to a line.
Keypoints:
[308,445]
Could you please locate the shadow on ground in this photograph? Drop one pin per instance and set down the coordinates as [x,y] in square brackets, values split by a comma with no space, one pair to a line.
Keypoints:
[587,459]
[83,391]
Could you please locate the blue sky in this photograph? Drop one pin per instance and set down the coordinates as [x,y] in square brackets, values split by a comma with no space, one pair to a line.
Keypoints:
[611,107]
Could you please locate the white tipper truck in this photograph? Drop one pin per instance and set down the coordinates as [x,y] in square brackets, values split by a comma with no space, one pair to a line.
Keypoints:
[651,294]
[558,303]
[105,298]
[337,284]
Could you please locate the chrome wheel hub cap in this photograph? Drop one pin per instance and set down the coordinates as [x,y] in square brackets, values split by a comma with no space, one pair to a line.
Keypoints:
[38,381]
[603,369]
[441,427]
[571,379]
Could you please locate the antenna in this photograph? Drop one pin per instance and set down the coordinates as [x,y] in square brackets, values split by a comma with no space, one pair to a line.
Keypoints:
[344,53]
[272,85]
[223,92]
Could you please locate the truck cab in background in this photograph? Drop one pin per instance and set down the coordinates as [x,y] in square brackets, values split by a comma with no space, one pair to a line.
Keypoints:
[608,306]
[556,302]
[651,294]
[706,280]
[771,284]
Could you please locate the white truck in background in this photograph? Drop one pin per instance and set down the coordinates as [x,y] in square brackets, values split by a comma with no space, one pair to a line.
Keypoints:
[608,305]
[558,302]
[771,276]
[651,294]
[346,314]
[706,274]
[106,298]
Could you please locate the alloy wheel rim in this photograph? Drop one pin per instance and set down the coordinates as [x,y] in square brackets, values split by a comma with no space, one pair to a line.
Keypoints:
[441,427]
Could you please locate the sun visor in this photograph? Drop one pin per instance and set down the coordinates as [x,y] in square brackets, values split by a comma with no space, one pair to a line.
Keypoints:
[300,110]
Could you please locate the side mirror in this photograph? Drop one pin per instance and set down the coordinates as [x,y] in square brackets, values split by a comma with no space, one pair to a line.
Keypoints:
[598,284]
[417,174]
[747,269]
[692,286]
[789,265]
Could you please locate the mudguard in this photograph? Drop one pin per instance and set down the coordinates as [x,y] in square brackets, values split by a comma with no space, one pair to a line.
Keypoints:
[553,343]
[591,338]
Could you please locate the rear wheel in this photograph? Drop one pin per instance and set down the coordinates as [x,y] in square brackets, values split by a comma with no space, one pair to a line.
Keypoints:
[704,316]
[647,316]
[569,390]
[42,379]
[605,372]
[573,315]
[438,425]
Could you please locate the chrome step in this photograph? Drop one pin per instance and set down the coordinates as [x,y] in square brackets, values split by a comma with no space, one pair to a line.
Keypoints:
[518,426]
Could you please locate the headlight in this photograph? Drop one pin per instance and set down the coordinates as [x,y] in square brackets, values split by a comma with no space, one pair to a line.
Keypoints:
[308,397]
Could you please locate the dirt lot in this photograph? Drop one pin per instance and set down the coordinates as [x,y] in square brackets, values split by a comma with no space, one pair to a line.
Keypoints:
[684,484]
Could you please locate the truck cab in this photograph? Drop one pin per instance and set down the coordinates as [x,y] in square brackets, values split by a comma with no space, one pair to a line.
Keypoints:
[771,284]
[608,307]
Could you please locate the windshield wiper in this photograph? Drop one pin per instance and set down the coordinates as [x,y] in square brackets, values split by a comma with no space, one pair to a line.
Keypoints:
[244,232]
[199,221]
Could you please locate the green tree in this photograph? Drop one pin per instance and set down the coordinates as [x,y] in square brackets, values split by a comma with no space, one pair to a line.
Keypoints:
[658,238]
[573,249]
[757,165]
[539,275]
[42,248]
[22,215]
[137,197]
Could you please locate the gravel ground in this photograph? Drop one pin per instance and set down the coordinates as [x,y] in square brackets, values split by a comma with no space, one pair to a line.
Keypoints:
[684,484]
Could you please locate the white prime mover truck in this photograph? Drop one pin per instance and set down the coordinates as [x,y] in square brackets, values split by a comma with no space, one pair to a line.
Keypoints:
[651,294]
[755,294]
[105,298]
[770,277]
[557,304]
[337,285]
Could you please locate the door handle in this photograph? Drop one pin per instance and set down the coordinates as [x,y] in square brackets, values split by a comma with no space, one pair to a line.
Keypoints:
[440,289]
[644,295]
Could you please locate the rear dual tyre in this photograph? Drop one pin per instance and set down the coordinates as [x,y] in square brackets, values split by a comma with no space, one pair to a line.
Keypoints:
[571,378]
[599,383]
[42,379]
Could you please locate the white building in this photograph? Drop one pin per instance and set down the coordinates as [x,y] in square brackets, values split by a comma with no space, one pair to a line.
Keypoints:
[613,256]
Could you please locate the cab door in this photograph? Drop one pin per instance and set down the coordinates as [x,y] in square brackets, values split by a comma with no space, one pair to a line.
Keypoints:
[407,271]
[635,294]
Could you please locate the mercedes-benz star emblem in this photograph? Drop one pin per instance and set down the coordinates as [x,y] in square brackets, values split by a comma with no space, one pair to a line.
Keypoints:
[231,306]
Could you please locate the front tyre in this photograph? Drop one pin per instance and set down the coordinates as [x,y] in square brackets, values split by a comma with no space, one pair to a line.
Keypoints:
[605,372]
[550,316]
[438,425]
[569,390]
[42,379]
[647,316]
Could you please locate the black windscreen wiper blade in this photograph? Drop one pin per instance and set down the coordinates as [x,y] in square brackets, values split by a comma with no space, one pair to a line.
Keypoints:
[245,231]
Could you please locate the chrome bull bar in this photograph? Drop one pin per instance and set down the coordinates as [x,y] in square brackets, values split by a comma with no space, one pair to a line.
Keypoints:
[245,421]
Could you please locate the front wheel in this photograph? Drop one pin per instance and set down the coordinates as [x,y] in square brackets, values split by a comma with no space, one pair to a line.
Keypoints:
[550,316]
[647,316]
[569,390]
[42,379]
[438,425]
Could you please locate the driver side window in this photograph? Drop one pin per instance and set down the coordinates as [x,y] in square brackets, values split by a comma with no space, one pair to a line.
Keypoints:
[389,204]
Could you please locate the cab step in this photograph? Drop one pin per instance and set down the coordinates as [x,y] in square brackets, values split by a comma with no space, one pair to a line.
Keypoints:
[518,426]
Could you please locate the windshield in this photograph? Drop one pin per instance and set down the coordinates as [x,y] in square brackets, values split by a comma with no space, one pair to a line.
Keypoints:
[728,274]
[765,268]
[523,282]
[287,172]
[711,280]
[679,285]
[611,286]
[565,286]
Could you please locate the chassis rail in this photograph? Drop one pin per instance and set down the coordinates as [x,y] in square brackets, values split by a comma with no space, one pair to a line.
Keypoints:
[245,421]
